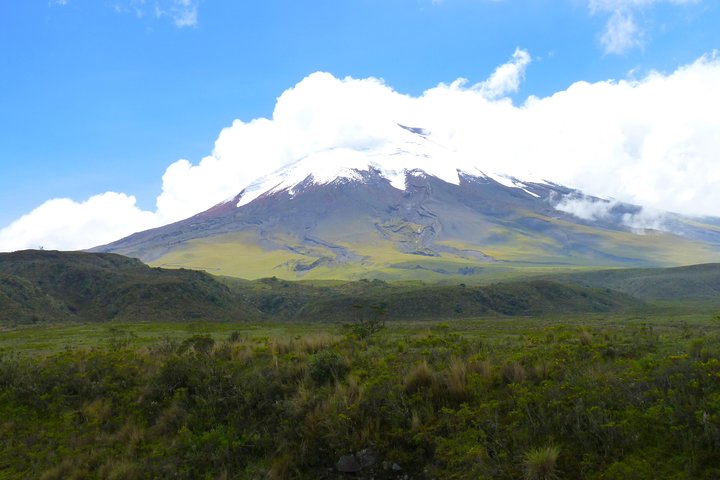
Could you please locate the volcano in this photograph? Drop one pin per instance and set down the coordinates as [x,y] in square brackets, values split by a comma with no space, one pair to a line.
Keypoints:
[412,209]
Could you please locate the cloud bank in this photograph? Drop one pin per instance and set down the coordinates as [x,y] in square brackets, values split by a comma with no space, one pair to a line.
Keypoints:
[63,224]
[651,142]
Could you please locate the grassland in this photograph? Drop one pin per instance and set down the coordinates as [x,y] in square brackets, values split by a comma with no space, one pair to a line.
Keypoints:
[367,379]
[595,396]
[511,251]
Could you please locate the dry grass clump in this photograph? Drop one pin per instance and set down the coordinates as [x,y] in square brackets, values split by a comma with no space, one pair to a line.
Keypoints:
[419,377]
[303,345]
[456,378]
[513,372]
[119,469]
[483,368]
[243,353]
[541,370]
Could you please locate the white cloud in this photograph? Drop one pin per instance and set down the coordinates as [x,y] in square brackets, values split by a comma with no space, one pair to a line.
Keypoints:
[183,12]
[586,208]
[594,209]
[507,77]
[63,224]
[622,31]
[611,5]
[651,142]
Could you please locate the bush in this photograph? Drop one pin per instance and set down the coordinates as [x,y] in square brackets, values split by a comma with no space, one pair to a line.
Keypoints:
[327,366]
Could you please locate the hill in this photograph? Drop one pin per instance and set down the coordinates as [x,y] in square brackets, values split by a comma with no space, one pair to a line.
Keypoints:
[693,282]
[362,300]
[44,286]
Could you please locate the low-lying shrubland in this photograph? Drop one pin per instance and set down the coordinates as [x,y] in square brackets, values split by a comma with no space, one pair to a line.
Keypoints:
[607,401]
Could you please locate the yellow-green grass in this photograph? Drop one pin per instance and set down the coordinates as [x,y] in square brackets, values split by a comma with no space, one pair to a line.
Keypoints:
[245,255]
[49,339]
[41,340]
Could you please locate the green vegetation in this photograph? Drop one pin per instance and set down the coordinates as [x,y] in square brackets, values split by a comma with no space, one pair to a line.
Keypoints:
[596,397]
[47,287]
[238,379]
[396,250]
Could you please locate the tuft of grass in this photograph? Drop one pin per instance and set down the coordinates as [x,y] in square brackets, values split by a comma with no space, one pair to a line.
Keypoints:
[540,463]
[456,379]
[586,338]
[483,368]
[120,470]
[513,372]
[420,376]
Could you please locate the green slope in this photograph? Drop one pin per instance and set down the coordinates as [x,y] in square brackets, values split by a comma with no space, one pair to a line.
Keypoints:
[500,253]
[694,282]
[38,286]
[352,301]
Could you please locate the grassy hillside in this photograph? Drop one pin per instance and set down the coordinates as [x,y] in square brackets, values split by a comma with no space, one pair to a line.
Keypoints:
[41,286]
[21,301]
[694,282]
[497,252]
[414,300]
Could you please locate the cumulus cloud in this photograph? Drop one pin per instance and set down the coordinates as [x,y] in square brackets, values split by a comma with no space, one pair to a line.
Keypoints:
[63,224]
[651,142]
[622,31]
[507,77]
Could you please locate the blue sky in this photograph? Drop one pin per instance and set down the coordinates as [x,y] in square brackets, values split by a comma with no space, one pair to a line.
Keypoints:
[104,95]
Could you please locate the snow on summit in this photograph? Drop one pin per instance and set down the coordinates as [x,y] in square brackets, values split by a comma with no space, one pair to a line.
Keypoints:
[410,149]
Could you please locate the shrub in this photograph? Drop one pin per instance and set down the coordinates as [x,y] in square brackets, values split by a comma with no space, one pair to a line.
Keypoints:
[235,337]
[326,366]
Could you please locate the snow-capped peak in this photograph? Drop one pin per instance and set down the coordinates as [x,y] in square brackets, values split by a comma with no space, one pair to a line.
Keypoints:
[411,150]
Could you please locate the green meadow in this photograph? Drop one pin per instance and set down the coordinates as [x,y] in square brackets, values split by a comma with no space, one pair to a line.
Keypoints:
[598,396]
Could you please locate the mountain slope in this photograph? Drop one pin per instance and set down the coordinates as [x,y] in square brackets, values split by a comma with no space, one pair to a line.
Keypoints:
[413,210]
